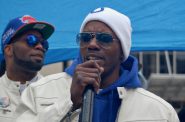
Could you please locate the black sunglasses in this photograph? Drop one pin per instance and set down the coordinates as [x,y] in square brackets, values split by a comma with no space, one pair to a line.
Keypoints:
[33,40]
[103,39]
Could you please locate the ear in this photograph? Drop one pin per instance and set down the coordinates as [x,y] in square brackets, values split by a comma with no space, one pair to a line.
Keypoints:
[8,50]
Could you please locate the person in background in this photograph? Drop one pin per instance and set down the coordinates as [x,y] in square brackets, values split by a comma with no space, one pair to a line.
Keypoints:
[105,64]
[24,44]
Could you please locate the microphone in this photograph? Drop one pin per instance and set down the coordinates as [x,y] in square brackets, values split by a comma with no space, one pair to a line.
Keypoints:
[87,107]
[88,101]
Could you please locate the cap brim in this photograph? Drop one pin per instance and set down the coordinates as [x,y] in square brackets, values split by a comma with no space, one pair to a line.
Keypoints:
[45,28]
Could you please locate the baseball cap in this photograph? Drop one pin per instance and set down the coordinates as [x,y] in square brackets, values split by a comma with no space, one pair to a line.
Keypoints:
[26,22]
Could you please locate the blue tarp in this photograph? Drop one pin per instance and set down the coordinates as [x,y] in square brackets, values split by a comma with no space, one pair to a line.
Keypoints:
[157,24]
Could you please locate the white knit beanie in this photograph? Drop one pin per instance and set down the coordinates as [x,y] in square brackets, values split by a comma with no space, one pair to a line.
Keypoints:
[117,21]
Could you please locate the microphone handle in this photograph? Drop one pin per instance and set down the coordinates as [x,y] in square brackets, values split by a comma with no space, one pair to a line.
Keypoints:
[87,107]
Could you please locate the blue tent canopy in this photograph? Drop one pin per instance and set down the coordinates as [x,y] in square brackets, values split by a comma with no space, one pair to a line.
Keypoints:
[157,24]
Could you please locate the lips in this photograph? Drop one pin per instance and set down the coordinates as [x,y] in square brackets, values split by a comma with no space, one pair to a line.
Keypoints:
[41,56]
[93,57]
[38,56]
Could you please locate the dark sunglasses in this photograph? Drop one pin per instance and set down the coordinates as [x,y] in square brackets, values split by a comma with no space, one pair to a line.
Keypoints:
[103,39]
[33,40]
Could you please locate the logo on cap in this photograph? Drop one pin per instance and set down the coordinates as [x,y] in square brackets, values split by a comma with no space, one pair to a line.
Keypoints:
[7,34]
[27,19]
[97,10]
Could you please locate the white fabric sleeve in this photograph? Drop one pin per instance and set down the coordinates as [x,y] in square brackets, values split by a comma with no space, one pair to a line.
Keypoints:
[27,111]
[174,116]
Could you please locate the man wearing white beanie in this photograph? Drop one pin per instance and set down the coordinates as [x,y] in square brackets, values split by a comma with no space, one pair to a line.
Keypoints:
[103,64]
[119,23]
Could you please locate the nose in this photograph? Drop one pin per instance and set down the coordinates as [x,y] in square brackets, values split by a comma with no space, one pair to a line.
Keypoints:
[40,47]
[93,43]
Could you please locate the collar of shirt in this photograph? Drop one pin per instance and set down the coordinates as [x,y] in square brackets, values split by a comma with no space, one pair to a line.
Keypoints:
[16,85]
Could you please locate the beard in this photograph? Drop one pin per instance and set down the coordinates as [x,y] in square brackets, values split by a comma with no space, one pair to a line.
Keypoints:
[27,64]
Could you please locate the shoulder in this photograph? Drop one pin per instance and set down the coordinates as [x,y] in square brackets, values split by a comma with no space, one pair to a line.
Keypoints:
[63,77]
[53,81]
[51,87]
[151,99]
[145,106]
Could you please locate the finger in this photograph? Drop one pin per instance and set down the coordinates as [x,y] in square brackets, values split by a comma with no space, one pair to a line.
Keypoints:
[87,70]
[90,81]
[83,79]
[100,69]
[87,78]
[89,63]
[90,72]
[91,66]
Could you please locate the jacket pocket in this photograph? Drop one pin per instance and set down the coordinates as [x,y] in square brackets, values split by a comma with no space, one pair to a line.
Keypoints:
[42,103]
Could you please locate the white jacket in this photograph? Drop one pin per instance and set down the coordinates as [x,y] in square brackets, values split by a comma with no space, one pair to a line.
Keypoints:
[10,97]
[49,101]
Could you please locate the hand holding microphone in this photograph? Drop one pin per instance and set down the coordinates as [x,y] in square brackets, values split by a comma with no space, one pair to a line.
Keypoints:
[86,78]
[88,100]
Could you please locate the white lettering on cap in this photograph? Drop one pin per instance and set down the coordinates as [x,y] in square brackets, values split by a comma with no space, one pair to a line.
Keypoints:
[7,34]
[39,26]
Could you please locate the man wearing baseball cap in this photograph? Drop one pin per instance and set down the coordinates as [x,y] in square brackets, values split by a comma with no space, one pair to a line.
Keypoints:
[24,44]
